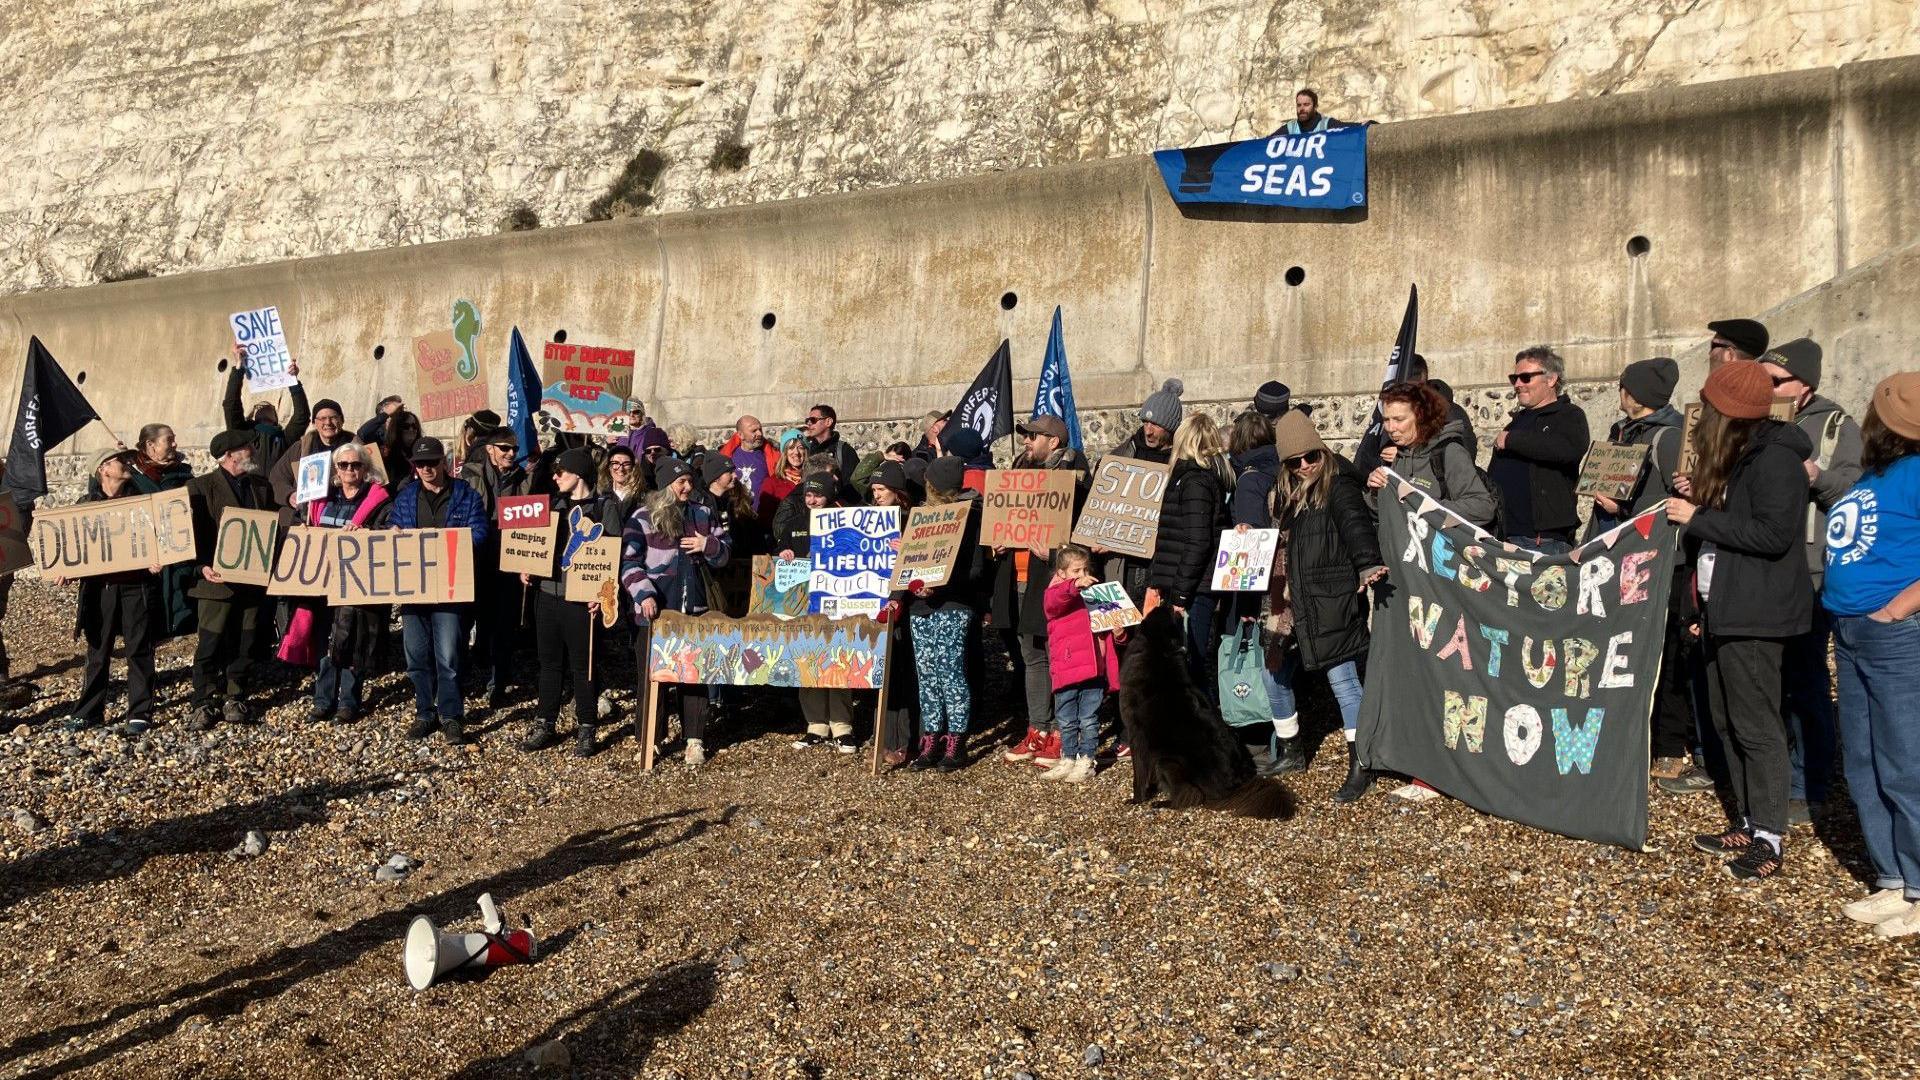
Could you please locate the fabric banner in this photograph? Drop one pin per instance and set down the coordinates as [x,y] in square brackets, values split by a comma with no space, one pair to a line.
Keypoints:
[763,650]
[523,397]
[1519,683]
[51,409]
[1404,346]
[1326,170]
[14,552]
[987,406]
[1054,395]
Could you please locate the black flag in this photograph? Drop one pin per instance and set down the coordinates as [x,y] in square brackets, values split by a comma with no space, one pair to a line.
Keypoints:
[1403,349]
[51,409]
[987,406]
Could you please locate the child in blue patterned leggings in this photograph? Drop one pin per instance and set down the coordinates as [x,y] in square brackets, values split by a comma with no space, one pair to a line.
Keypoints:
[939,617]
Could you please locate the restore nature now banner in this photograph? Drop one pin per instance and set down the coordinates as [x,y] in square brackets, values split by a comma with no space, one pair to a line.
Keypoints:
[1325,170]
[1519,683]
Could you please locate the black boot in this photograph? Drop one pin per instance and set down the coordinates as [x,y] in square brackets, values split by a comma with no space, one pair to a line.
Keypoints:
[929,753]
[953,759]
[455,731]
[539,736]
[583,744]
[424,725]
[1288,757]
[1359,779]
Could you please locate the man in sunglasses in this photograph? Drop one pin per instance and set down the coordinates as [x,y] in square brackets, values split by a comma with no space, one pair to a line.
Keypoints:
[1735,339]
[823,438]
[1536,460]
[1832,469]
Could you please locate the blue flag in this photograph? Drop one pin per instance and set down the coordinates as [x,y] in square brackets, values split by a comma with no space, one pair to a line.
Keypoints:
[523,397]
[1055,394]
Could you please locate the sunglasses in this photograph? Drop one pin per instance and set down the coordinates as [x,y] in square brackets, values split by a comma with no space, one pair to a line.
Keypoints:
[1719,346]
[348,465]
[1519,377]
[1782,380]
[1311,457]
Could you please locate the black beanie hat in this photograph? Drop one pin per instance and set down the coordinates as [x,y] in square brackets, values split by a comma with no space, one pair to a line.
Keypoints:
[1272,399]
[578,462]
[890,474]
[713,467]
[947,473]
[667,470]
[963,443]
[1650,382]
[327,403]
[1801,358]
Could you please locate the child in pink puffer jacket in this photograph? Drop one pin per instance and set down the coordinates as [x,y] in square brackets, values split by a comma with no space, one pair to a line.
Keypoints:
[1084,664]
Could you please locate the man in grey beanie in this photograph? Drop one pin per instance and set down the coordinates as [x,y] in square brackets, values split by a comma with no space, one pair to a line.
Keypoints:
[1832,469]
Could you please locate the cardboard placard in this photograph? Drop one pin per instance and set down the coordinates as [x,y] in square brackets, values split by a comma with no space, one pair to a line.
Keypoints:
[1782,409]
[930,544]
[1109,606]
[1244,562]
[779,587]
[313,476]
[1612,469]
[449,375]
[593,562]
[400,566]
[263,337]
[852,550]
[243,546]
[1123,508]
[529,551]
[584,387]
[304,564]
[523,512]
[108,537]
[14,552]
[376,464]
[1026,508]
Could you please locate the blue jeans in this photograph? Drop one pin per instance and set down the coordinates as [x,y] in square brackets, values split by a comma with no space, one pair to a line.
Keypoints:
[1809,707]
[1343,678]
[335,686]
[432,637]
[1879,666]
[1545,545]
[1077,709]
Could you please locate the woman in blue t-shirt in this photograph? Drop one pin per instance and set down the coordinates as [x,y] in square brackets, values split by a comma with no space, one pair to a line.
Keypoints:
[1873,593]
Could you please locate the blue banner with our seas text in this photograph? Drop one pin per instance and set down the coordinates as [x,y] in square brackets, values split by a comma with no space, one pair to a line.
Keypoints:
[1325,170]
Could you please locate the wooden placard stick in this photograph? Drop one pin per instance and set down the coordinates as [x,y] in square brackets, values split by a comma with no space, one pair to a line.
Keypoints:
[880,713]
[653,717]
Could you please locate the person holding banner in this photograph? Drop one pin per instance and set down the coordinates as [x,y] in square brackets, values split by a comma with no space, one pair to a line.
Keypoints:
[159,466]
[328,432]
[888,487]
[1430,454]
[493,470]
[125,605]
[1873,594]
[432,633]
[1160,417]
[342,643]
[1744,508]
[262,425]
[563,629]
[1329,554]
[229,615]
[938,619]
[665,549]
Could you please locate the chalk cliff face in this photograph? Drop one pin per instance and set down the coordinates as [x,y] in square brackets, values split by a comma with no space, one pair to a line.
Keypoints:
[194,134]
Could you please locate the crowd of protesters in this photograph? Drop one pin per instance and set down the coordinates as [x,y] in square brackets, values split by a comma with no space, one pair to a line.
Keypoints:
[1800,536]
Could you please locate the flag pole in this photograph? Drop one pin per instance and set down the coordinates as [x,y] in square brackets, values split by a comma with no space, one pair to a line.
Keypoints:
[116,438]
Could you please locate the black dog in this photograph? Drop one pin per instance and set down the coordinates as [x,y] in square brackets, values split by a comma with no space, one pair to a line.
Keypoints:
[1179,742]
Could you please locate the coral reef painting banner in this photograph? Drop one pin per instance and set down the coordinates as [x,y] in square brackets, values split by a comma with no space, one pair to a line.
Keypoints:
[762,650]
[1519,683]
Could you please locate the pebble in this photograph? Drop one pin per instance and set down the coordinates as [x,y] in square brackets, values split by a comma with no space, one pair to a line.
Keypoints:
[1093,1055]
[1280,972]
[254,846]
[27,821]
[387,873]
[551,1056]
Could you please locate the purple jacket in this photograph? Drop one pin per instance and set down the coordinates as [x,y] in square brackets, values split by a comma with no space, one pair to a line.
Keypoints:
[653,567]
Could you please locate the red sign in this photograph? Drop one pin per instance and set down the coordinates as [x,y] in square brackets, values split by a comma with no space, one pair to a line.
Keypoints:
[523,512]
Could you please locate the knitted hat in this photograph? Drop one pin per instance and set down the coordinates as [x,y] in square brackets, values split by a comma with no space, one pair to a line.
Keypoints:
[1740,389]
[226,442]
[1650,382]
[326,403]
[788,436]
[947,473]
[915,469]
[1294,434]
[578,462]
[890,474]
[1801,358]
[1272,399]
[652,438]
[669,470]
[1897,402]
[1746,335]
[713,467]
[962,442]
[1163,407]
[818,484]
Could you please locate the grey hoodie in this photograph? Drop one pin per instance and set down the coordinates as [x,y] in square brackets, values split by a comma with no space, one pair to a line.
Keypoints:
[1443,468]
[1836,451]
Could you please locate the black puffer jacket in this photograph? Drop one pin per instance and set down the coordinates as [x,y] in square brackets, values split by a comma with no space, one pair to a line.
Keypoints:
[1192,513]
[1761,587]
[1328,549]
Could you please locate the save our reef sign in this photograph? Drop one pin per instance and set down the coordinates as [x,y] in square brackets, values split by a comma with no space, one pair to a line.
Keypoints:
[1519,683]
[1323,170]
